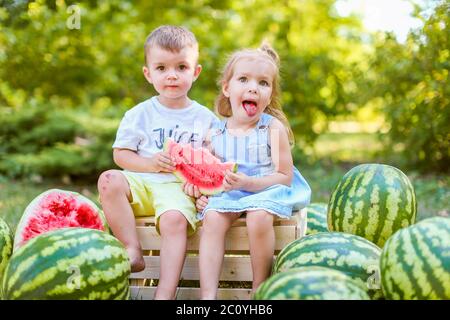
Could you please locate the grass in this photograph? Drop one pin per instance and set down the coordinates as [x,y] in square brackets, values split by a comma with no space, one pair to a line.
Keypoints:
[348,147]
[432,191]
[338,152]
[15,195]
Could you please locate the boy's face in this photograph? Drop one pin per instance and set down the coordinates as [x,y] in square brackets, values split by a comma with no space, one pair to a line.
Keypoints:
[172,74]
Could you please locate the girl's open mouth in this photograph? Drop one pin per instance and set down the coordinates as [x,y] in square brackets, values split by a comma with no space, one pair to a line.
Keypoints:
[249,107]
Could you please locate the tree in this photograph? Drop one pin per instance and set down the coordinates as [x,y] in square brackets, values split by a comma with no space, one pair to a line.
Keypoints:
[413,81]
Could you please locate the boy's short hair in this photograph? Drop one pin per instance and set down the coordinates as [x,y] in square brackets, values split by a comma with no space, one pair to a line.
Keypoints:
[172,38]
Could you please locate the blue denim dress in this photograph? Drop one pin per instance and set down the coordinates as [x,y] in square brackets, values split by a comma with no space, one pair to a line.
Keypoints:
[252,153]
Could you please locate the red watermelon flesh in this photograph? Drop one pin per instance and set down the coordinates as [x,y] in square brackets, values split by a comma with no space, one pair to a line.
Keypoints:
[56,209]
[198,167]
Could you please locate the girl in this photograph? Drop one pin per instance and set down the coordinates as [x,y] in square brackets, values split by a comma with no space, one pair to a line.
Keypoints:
[256,135]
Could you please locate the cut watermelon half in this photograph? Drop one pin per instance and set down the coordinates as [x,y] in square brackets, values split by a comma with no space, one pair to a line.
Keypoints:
[198,167]
[56,209]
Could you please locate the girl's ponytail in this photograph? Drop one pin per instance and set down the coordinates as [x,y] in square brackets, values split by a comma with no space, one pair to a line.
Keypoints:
[267,48]
[274,108]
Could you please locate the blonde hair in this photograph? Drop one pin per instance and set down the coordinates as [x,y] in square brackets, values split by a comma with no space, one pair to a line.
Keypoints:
[172,38]
[222,103]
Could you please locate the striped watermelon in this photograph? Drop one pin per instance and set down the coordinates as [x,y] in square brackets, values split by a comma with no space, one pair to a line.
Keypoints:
[68,263]
[372,201]
[353,255]
[415,262]
[6,245]
[55,209]
[310,283]
[317,218]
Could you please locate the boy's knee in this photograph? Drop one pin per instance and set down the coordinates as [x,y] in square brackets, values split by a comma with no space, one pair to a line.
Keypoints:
[172,222]
[111,182]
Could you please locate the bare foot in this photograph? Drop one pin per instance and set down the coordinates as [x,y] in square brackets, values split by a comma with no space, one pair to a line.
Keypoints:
[136,259]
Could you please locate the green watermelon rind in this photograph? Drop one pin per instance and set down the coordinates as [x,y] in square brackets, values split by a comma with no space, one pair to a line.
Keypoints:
[317,218]
[373,201]
[311,283]
[203,190]
[47,267]
[415,262]
[6,248]
[29,211]
[353,255]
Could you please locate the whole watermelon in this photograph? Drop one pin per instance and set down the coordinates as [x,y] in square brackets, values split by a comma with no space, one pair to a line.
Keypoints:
[310,283]
[353,255]
[372,201]
[415,262]
[68,263]
[317,218]
[6,246]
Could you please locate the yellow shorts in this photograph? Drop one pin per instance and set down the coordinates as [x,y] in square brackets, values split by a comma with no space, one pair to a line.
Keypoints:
[153,199]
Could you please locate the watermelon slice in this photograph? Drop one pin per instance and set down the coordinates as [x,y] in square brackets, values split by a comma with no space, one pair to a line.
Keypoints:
[56,209]
[198,167]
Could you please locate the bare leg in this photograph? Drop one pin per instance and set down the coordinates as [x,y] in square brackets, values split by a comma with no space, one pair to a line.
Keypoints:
[173,227]
[114,195]
[212,250]
[261,236]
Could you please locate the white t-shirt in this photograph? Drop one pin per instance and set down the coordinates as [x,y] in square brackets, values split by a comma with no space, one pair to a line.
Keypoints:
[145,127]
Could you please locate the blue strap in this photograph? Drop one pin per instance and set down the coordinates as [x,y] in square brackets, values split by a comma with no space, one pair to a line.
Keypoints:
[264,121]
[218,127]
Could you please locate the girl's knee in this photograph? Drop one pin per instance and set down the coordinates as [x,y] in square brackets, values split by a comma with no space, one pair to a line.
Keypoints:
[214,223]
[211,219]
[111,183]
[259,221]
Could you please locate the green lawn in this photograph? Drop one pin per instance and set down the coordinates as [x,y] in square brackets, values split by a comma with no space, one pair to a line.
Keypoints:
[433,192]
[338,153]
[348,147]
[15,195]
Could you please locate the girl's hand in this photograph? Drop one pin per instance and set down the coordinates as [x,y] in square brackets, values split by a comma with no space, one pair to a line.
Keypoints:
[191,190]
[201,203]
[234,181]
[161,162]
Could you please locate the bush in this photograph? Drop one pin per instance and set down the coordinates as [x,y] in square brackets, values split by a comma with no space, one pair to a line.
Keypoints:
[49,141]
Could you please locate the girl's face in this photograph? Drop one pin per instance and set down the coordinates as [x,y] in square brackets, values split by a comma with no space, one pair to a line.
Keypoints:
[250,88]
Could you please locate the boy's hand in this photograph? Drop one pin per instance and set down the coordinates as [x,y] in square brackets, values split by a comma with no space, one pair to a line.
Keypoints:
[161,162]
[191,190]
[201,203]
[234,181]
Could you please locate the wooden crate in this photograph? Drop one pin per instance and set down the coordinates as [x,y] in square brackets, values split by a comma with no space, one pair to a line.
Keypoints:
[236,265]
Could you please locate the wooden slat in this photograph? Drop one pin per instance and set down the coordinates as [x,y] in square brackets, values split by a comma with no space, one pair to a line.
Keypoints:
[235,268]
[137,282]
[142,221]
[184,293]
[145,221]
[302,223]
[236,239]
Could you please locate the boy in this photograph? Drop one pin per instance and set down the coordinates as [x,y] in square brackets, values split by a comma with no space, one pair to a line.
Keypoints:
[146,186]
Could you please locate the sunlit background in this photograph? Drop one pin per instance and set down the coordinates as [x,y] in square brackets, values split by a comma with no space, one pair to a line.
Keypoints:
[385,15]
[363,81]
